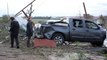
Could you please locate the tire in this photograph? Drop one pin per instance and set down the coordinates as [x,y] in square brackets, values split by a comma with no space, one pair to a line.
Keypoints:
[99,44]
[59,38]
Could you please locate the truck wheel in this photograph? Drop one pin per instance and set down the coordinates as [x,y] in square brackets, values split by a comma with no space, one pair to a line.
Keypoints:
[59,38]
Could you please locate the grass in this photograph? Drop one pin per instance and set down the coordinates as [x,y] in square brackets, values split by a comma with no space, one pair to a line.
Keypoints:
[39,20]
[0,18]
[4,33]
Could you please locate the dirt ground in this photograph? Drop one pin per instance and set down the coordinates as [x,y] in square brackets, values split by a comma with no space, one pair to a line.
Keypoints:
[74,51]
[84,51]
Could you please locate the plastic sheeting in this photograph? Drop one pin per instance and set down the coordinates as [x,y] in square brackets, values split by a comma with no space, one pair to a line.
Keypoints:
[22,22]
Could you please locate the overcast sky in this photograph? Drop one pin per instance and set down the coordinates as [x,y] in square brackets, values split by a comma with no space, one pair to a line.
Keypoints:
[56,7]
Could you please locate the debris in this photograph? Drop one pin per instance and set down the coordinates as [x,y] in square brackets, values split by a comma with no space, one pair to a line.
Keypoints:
[105,43]
[44,43]
[7,37]
[1,42]
[0,30]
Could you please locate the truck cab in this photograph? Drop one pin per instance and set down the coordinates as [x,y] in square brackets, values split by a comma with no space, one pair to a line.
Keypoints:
[86,31]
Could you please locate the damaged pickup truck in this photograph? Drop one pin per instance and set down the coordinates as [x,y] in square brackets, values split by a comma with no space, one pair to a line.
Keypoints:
[72,30]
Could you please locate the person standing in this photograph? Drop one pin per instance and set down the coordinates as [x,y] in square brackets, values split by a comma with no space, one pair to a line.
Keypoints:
[29,32]
[14,31]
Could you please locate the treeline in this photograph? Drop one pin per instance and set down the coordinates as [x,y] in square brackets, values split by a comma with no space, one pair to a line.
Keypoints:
[41,17]
[4,19]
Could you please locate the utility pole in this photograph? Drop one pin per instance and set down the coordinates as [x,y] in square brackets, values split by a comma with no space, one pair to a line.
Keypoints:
[80,14]
[22,10]
[86,16]
[7,10]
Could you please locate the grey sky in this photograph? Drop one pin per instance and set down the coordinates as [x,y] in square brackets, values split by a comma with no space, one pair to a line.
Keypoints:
[56,7]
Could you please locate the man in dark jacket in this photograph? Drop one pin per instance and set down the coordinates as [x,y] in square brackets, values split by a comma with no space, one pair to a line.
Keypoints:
[29,31]
[14,31]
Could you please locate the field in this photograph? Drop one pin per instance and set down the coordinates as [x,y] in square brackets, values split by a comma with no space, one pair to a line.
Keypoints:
[39,20]
[71,51]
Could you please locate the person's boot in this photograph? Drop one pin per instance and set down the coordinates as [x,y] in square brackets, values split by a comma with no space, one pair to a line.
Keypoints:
[17,47]
[28,43]
[11,46]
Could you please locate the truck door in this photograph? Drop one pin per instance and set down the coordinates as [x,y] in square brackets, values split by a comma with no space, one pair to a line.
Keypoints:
[77,30]
[92,31]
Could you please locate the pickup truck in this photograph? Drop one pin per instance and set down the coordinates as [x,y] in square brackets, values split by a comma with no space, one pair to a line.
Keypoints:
[72,29]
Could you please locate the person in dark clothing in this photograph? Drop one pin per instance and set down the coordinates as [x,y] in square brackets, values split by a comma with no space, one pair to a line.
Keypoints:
[14,31]
[29,32]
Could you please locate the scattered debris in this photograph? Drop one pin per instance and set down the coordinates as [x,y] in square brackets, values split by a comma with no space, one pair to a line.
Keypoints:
[1,42]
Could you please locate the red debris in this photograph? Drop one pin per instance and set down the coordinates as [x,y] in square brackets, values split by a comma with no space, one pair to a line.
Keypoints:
[44,43]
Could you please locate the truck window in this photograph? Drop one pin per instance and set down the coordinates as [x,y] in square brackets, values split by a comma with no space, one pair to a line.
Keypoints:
[77,23]
[61,24]
[91,25]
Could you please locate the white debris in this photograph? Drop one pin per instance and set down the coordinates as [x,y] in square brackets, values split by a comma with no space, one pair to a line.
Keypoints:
[22,22]
[38,25]
[105,41]
[1,42]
